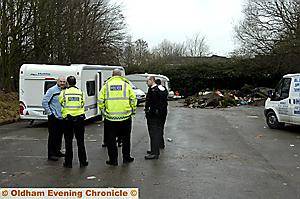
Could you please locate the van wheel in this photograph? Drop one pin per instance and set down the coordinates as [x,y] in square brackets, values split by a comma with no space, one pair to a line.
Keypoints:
[273,122]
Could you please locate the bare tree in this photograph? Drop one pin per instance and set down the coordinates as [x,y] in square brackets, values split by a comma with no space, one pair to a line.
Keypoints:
[14,20]
[128,51]
[268,25]
[196,46]
[56,31]
[141,52]
[169,49]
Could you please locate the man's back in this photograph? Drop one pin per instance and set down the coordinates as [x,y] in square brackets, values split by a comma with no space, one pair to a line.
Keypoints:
[117,99]
[163,95]
[72,101]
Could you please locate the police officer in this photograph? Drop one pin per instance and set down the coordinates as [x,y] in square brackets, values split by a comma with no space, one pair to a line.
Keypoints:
[119,139]
[164,110]
[53,109]
[72,101]
[117,103]
[154,114]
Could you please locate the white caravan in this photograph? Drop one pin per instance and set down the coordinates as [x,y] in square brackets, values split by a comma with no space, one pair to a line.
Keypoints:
[139,80]
[36,79]
[283,104]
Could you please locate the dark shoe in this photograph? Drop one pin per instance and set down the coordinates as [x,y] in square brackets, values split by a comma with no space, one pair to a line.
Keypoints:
[53,158]
[162,147]
[104,145]
[60,154]
[112,163]
[128,160]
[149,152]
[84,164]
[151,157]
[67,165]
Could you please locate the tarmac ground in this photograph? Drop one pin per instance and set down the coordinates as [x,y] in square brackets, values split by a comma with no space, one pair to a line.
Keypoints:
[210,153]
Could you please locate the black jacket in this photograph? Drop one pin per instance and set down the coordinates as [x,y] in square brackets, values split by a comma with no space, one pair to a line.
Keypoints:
[156,102]
[164,95]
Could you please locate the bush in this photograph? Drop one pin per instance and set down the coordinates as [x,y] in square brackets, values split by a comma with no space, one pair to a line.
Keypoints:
[190,78]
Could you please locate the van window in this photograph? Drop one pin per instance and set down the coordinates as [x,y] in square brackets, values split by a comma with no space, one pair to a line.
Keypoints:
[48,84]
[283,89]
[91,88]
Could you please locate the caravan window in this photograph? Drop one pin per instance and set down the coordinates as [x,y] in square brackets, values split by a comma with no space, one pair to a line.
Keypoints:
[91,88]
[48,84]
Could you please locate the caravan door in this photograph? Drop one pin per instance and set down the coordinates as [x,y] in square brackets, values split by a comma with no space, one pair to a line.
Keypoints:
[99,86]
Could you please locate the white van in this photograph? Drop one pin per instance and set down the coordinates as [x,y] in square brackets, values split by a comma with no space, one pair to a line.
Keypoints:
[283,105]
[139,80]
[140,95]
[36,79]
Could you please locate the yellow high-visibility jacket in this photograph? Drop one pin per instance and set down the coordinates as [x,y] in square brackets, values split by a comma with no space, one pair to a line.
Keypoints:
[72,101]
[117,100]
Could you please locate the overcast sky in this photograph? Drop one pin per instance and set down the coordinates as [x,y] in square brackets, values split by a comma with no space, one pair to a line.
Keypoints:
[176,20]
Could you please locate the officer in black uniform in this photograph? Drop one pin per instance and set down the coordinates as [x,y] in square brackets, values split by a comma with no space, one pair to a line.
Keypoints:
[164,107]
[154,115]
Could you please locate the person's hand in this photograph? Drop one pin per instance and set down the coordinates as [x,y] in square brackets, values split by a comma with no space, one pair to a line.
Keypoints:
[51,116]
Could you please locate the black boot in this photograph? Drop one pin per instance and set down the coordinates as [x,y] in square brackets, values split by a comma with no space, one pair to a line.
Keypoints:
[151,157]
[104,145]
[84,164]
[112,163]
[128,160]
[53,158]
[67,165]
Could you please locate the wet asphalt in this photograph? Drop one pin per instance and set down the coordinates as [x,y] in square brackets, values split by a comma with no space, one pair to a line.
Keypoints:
[211,153]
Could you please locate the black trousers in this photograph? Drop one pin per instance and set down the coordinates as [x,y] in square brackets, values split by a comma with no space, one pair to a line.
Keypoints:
[105,136]
[162,123]
[74,126]
[119,138]
[114,129]
[55,130]
[155,130]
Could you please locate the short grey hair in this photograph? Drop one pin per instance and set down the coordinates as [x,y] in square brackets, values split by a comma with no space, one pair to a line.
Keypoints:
[61,78]
[117,72]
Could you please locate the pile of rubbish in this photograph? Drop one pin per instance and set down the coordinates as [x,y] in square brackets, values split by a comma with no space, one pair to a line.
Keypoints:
[228,98]
[8,108]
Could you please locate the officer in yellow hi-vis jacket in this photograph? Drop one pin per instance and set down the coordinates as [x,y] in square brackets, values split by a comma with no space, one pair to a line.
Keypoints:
[117,103]
[72,101]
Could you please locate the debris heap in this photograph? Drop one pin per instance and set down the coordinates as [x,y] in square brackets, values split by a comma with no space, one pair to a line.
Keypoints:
[228,98]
